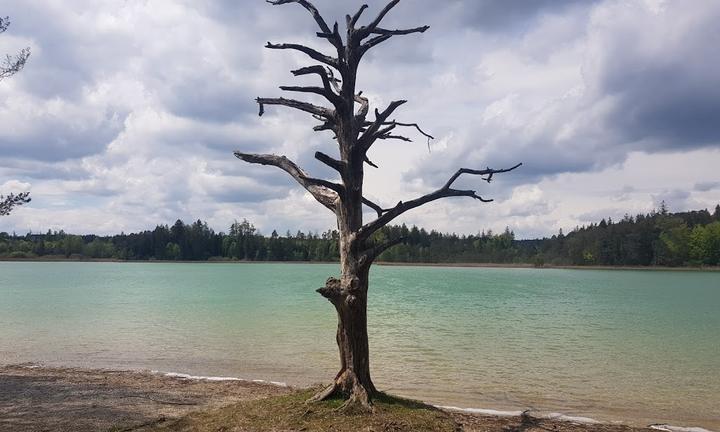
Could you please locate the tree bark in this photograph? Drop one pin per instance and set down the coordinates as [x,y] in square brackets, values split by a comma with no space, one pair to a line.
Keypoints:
[353,381]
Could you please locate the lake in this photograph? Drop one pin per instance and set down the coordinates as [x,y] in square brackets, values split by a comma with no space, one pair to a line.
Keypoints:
[633,346]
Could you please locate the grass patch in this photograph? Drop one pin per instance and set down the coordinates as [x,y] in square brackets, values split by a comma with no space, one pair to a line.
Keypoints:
[291,413]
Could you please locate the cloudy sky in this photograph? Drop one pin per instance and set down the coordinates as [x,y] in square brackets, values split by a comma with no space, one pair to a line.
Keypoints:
[127,112]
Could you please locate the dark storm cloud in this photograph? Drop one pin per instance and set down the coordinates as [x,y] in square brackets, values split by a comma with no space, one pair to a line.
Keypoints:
[505,16]
[669,94]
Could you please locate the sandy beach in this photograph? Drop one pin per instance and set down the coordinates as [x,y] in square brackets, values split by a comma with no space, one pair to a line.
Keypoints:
[36,398]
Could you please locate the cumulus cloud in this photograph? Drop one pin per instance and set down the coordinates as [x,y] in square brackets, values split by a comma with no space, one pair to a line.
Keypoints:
[127,113]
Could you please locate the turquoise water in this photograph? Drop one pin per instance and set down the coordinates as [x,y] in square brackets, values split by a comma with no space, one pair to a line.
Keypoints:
[634,346]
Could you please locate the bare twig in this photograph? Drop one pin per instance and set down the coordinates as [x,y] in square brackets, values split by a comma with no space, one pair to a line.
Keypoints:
[357,15]
[381,31]
[369,162]
[315,55]
[310,8]
[364,108]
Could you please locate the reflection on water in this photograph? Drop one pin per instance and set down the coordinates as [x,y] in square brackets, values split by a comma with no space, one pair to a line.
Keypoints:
[627,345]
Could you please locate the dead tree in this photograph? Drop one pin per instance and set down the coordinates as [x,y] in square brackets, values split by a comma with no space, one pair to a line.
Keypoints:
[347,118]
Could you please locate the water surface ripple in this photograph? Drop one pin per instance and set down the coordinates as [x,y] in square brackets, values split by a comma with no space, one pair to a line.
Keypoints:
[637,346]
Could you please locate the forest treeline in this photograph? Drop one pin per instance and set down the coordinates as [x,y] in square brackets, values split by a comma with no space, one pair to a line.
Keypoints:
[658,238]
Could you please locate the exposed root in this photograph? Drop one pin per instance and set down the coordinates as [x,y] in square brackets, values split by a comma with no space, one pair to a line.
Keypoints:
[358,398]
[325,394]
[358,402]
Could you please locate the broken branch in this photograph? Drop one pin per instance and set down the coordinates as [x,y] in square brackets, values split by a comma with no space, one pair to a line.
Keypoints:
[323,191]
[333,163]
[316,55]
[315,110]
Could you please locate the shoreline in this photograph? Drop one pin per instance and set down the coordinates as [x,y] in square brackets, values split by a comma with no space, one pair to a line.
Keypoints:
[173,395]
[379,263]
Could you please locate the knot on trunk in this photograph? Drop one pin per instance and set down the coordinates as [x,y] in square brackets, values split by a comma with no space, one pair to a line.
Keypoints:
[350,300]
[332,289]
[355,286]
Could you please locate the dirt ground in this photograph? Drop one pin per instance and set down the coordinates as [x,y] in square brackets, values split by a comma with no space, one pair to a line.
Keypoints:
[60,399]
[36,399]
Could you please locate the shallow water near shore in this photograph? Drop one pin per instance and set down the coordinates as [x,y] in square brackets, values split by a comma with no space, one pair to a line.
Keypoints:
[641,347]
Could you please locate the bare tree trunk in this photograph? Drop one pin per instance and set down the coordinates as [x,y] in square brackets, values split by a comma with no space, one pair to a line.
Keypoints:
[353,381]
[349,295]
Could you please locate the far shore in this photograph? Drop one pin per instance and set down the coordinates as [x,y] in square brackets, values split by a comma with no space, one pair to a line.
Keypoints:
[381,263]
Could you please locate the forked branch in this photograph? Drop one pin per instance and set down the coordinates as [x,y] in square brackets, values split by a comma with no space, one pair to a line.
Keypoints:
[444,192]
[325,192]
[325,75]
[379,210]
[381,134]
[384,34]
[370,135]
[357,15]
[365,31]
